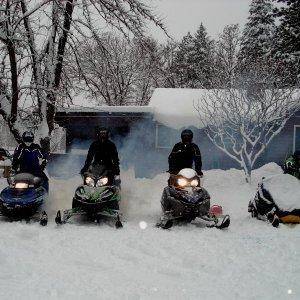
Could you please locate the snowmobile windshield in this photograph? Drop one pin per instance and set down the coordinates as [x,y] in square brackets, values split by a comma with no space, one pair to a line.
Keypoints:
[24,180]
[98,170]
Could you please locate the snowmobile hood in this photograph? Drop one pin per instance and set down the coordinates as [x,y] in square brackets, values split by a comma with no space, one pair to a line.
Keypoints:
[285,191]
[95,194]
[192,197]
[29,196]
[188,173]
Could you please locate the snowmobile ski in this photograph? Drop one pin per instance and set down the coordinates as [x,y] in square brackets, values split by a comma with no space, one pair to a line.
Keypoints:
[44,219]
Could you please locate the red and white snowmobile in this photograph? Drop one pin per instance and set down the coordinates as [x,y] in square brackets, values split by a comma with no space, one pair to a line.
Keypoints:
[184,200]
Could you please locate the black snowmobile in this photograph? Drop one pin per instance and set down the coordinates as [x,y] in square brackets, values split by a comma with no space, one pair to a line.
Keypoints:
[184,200]
[98,197]
[23,198]
[277,200]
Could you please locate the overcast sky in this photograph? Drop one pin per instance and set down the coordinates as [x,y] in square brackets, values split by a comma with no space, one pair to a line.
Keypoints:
[181,16]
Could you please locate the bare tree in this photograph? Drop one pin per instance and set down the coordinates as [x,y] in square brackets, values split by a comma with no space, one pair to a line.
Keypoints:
[243,121]
[119,72]
[34,39]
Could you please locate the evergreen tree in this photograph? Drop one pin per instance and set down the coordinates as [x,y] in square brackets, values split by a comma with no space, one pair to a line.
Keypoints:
[203,58]
[184,63]
[258,34]
[288,35]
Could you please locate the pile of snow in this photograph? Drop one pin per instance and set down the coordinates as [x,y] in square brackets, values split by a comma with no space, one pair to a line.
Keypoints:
[285,191]
[91,261]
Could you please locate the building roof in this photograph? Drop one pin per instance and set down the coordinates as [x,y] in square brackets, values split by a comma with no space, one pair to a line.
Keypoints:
[173,107]
[106,109]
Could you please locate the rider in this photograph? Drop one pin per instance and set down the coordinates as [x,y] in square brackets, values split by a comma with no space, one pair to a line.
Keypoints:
[292,164]
[29,158]
[184,154]
[103,152]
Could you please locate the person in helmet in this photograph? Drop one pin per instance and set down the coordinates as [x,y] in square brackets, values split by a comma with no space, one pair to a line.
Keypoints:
[103,152]
[184,154]
[292,165]
[29,158]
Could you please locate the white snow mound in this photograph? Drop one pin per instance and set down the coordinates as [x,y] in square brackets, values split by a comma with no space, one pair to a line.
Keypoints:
[285,190]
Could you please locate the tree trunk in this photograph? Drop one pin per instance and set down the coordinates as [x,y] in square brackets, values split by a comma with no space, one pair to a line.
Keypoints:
[14,81]
[58,71]
[59,65]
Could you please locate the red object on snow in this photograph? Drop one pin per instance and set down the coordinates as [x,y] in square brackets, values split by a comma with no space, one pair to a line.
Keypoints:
[216,210]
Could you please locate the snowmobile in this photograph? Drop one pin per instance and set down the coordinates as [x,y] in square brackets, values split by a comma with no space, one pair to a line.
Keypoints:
[23,198]
[184,200]
[277,200]
[98,197]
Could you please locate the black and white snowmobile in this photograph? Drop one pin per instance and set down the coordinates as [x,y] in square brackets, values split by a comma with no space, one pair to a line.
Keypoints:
[98,197]
[277,200]
[184,200]
[23,198]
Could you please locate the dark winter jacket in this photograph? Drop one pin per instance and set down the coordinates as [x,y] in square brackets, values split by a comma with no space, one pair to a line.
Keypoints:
[183,156]
[103,153]
[29,159]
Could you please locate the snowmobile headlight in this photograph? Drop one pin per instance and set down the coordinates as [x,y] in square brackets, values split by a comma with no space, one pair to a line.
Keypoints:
[182,182]
[102,181]
[21,185]
[89,181]
[194,182]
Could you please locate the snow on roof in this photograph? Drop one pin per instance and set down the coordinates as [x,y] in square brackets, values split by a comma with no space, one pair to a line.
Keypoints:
[81,103]
[108,109]
[171,107]
[175,107]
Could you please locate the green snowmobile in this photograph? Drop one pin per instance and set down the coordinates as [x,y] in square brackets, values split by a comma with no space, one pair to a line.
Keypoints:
[98,197]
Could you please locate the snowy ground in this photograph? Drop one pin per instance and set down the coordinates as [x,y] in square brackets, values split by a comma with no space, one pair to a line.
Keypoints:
[250,260]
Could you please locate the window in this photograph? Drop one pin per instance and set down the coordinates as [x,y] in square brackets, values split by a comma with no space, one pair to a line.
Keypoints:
[296,137]
[166,137]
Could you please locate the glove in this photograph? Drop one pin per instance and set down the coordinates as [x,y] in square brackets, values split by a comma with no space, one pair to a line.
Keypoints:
[117,180]
[200,173]
[12,173]
[43,164]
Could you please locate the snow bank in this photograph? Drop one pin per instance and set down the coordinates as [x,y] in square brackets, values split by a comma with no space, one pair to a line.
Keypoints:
[285,190]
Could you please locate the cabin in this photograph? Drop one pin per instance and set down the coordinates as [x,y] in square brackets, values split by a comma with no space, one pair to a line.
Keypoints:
[145,135]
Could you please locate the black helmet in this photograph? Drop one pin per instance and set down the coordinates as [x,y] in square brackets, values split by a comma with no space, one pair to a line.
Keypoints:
[28,137]
[102,133]
[187,136]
